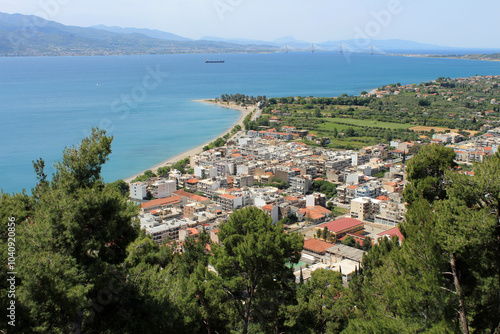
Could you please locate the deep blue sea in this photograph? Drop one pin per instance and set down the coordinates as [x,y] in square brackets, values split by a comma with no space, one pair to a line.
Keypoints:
[48,103]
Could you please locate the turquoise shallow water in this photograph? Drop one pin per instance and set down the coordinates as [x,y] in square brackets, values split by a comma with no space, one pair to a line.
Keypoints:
[146,101]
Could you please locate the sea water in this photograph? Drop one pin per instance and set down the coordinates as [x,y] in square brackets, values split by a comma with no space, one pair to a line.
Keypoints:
[146,102]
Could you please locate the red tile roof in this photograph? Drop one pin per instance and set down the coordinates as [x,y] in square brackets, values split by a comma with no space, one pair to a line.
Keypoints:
[183,193]
[315,212]
[192,231]
[228,196]
[268,207]
[199,198]
[317,246]
[162,201]
[392,232]
[341,224]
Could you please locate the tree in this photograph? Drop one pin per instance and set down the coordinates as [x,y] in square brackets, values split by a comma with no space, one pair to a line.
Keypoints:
[398,289]
[326,233]
[252,258]
[426,172]
[121,186]
[144,177]
[349,241]
[180,165]
[163,171]
[460,231]
[349,132]
[415,148]
[424,103]
[72,242]
[477,194]
[325,187]
[321,304]
[149,174]
[367,244]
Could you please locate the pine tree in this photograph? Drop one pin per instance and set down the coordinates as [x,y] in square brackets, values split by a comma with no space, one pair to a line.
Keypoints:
[71,242]
[251,262]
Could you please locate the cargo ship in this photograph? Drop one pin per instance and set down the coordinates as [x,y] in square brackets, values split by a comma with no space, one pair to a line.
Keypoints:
[214,61]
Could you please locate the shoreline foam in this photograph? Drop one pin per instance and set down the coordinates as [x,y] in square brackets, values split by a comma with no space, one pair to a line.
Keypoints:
[244,111]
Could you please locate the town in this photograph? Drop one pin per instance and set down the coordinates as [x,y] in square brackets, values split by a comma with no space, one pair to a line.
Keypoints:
[341,201]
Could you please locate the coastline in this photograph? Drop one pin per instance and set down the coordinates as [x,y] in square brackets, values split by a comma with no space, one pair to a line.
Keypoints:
[436,56]
[244,111]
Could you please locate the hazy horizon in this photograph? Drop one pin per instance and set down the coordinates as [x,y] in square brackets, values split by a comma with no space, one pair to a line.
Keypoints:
[462,24]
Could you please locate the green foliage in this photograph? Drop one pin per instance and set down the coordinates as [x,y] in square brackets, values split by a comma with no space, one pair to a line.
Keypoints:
[254,125]
[289,220]
[71,240]
[217,143]
[84,265]
[144,177]
[367,244]
[251,262]
[121,186]
[236,129]
[163,171]
[374,120]
[180,165]
[321,305]
[424,103]
[426,173]
[445,276]
[325,187]
[349,241]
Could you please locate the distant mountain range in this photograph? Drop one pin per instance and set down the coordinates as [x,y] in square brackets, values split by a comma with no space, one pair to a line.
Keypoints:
[23,35]
[146,32]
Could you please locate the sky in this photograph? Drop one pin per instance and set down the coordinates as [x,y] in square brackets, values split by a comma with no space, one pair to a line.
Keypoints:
[456,23]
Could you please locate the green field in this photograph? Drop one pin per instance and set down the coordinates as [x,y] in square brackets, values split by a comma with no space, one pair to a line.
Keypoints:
[344,143]
[364,122]
[329,126]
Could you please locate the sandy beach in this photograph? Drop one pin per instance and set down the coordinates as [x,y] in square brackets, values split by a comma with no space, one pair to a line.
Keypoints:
[198,149]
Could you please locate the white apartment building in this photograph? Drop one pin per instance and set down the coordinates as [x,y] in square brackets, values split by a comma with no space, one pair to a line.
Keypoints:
[364,208]
[300,184]
[138,190]
[163,188]
[230,202]
[205,172]
[391,213]
[209,186]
